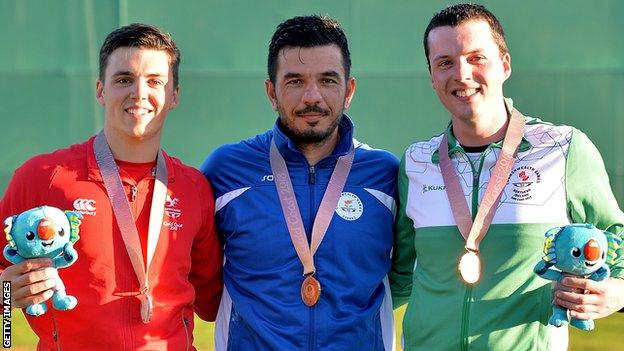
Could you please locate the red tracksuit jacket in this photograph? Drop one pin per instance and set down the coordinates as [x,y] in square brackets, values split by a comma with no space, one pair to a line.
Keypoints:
[185,274]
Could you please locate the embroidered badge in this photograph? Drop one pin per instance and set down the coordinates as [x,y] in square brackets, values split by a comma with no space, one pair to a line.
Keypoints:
[349,206]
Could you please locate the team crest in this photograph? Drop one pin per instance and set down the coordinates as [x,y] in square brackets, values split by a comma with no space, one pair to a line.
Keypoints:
[173,212]
[171,207]
[349,206]
[523,179]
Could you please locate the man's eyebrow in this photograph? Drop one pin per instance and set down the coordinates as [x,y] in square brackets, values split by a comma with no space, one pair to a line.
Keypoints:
[331,74]
[129,73]
[475,51]
[292,75]
[122,73]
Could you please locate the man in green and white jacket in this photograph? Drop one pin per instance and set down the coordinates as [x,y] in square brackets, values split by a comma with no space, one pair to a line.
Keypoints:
[558,177]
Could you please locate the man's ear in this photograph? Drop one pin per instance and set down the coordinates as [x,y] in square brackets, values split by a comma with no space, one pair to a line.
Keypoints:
[269,88]
[349,93]
[176,98]
[99,92]
[507,65]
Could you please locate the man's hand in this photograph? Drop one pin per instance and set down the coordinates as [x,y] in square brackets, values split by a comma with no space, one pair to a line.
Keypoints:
[599,299]
[32,281]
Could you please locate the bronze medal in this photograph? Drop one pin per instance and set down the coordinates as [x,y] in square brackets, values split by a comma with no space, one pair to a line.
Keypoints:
[310,291]
[470,267]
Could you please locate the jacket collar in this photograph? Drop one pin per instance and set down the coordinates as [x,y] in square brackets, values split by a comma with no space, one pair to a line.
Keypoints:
[454,146]
[290,152]
[93,171]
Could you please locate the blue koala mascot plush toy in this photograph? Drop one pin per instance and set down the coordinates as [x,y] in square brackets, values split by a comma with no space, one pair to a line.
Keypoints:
[578,250]
[44,232]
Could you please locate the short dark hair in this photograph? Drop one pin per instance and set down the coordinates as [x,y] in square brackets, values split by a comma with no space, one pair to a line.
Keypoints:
[457,14]
[308,32]
[141,36]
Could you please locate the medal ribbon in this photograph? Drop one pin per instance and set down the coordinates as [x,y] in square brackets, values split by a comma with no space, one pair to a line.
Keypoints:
[473,233]
[125,221]
[290,208]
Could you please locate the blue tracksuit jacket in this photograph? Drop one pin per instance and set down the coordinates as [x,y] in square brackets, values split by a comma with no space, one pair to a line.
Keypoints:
[261,308]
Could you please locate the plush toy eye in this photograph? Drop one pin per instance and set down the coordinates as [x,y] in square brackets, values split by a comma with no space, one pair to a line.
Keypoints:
[61,232]
[30,235]
[576,252]
[602,256]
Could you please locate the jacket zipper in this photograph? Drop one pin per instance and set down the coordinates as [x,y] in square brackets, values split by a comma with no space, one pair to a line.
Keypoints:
[129,337]
[311,181]
[134,192]
[186,332]
[55,335]
[311,175]
[468,298]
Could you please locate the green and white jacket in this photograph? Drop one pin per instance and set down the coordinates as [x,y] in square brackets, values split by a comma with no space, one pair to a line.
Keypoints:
[558,178]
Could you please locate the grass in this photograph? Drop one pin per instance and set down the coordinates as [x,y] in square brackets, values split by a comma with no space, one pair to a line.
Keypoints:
[606,336]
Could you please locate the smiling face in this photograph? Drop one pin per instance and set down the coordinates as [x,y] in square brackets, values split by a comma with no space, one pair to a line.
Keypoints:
[137,93]
[311,92]
[467,69]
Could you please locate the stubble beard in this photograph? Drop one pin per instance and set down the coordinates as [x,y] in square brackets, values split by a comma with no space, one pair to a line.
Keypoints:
[308,136]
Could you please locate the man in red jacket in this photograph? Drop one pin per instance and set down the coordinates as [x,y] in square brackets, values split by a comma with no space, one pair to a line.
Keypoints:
[147,258]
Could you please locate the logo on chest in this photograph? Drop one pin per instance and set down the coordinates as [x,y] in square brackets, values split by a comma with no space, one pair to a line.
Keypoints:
[173,213]
[171,207]
[524,180]
[426,188]
[85,206]
[349,207]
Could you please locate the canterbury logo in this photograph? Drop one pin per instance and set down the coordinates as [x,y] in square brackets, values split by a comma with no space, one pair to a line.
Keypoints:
[84,205]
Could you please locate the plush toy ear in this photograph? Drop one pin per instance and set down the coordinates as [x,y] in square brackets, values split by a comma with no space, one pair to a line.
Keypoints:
[549,245]
[614,242]
[8,224]
[74,224]
[552,232]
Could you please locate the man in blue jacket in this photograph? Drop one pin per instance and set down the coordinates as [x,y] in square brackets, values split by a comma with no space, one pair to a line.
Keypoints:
[305,211]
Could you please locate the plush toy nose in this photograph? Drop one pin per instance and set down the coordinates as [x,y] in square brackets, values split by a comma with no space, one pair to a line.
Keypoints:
[45,229]
[592,250]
